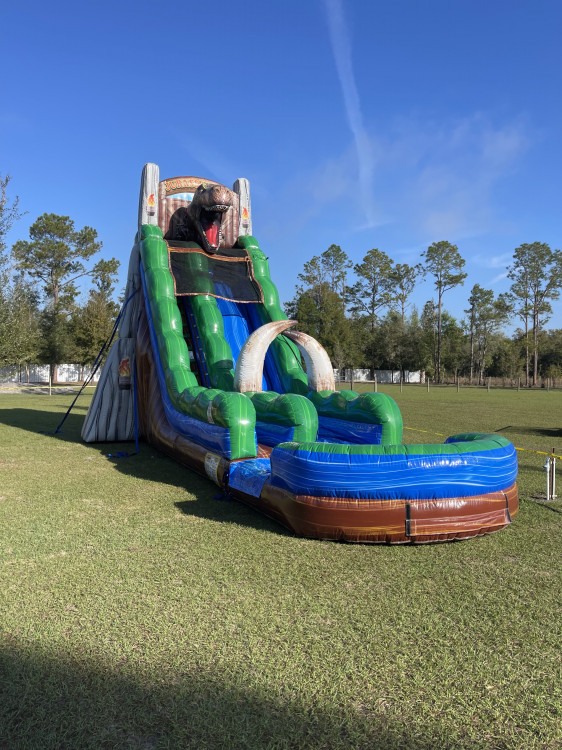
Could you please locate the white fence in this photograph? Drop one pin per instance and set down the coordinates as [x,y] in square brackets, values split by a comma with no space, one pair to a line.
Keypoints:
[76,373]
[40,374]
[383,376]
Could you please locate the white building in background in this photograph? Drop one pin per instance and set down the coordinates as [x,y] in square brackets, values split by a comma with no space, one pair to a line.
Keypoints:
[40,374]
[382,376]
[75,374]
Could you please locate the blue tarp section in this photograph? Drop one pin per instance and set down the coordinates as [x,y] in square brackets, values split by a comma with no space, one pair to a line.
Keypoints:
[249,476]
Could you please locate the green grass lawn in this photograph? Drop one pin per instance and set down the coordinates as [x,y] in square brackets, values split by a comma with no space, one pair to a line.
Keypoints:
[138,610]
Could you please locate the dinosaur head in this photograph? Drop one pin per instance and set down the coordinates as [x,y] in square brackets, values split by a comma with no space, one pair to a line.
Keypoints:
[206,212]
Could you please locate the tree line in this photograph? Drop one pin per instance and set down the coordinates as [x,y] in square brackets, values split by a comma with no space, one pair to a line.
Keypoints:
[42,318]
[360,312]
[362,315]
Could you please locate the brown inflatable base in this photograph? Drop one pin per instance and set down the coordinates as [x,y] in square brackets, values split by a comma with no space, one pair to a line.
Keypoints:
[390,521]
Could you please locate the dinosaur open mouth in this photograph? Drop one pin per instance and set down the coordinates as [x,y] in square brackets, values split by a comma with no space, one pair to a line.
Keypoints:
[211,224]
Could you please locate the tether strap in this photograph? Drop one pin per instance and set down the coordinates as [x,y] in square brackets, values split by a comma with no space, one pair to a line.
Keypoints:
[507,507]
[408,524]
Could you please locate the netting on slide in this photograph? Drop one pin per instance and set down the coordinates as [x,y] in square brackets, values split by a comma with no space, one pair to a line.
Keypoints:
[228,277]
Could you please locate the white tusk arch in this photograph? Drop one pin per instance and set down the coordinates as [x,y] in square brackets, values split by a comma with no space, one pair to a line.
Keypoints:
[248,374]
[318,366]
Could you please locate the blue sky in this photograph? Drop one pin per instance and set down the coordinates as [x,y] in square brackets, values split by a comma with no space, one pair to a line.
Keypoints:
[364,124]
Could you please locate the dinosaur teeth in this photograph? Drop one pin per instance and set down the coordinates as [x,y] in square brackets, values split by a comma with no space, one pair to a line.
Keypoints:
[218,207]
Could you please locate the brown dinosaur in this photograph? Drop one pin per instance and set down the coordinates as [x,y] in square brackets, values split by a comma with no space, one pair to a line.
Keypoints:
[203,217]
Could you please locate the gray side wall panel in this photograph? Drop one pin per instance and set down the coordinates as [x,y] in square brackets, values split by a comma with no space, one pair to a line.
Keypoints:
[111,416]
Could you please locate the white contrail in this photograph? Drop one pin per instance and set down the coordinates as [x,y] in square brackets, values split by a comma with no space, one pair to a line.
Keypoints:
[341,48]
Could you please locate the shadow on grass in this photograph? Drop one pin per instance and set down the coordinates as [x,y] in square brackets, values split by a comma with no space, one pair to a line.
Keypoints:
[66,703]
[151,465]
[43,421]
[549,432]
[227,510]
[542,503]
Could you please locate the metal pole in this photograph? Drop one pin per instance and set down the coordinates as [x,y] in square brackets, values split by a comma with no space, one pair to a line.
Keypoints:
[547,467]
[351,380]
[553,475]
[375,382]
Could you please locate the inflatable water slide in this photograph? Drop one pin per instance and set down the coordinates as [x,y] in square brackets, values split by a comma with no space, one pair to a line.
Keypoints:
[208,369]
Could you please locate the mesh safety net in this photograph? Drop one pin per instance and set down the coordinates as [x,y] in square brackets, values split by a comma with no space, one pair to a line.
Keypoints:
[228,277]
